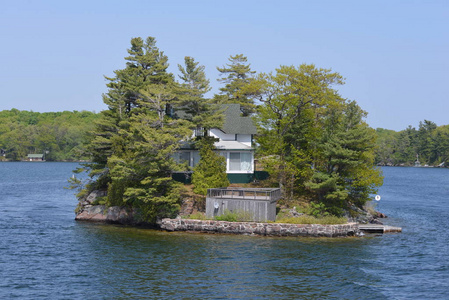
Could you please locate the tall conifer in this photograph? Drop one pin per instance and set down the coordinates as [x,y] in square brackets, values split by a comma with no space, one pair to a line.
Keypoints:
[236,75]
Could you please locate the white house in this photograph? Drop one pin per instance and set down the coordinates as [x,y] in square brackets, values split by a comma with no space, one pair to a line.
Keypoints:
[235,141]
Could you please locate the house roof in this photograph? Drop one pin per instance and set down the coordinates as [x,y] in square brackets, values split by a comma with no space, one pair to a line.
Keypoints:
[220,145]
[231,145]
[234,123]
[35,155]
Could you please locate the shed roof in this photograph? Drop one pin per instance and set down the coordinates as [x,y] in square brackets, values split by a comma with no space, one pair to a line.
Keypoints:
[35,155]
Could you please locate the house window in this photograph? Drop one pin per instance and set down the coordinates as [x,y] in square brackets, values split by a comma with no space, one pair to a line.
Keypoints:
[196,158]
[240,161]
[184,157]
[234,161]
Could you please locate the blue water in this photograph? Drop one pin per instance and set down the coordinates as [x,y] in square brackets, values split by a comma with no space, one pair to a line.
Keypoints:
[45,254]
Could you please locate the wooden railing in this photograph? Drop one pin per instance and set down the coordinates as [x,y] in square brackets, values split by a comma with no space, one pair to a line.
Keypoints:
[272,194]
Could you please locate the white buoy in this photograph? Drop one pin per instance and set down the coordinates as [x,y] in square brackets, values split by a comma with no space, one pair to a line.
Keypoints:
[377,198]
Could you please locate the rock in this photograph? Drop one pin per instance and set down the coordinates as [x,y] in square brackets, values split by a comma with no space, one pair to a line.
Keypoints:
[381,215]
[114,214]
[290,212]
[96,213]
[94,195]
[120,215]
[376,221]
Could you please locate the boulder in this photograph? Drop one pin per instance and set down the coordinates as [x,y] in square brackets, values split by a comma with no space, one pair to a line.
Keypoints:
[94,195]
[95,213]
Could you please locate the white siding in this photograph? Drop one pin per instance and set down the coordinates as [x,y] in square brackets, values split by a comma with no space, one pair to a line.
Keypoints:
[221,135]
[244,165]
[244,139]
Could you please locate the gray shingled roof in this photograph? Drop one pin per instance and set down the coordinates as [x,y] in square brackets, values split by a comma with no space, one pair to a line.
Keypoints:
[234,123]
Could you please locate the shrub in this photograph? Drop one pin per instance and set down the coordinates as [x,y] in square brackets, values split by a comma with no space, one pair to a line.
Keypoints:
[317,210]
[237,216]
[211,169]
[197,216]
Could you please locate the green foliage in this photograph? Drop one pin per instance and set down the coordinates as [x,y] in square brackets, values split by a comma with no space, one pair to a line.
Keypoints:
[58,135]
[134,140]
[429,145]
[197,216]
[317,210]
[211,169]
[238,78]
[312,141]
[236,216]
[202,112]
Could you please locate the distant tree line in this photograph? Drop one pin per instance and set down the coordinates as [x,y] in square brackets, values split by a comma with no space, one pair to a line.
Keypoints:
[58,135]
[429,144]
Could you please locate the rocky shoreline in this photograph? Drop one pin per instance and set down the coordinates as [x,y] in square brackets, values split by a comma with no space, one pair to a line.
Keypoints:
[88,210]
[120,215]
[114,214]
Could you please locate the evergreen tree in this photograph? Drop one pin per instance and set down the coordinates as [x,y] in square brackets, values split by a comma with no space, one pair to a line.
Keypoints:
[344,170]
[146,65]
[236,75]
[211,169]
[135,138]
[202,112]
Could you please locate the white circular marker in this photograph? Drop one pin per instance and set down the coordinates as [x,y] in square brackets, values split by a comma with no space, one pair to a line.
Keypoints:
[377,198]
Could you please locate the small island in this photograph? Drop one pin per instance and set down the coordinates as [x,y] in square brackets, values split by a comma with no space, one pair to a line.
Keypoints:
[162,145]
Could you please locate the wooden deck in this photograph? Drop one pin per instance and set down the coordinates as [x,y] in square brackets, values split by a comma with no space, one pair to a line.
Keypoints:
[377,228]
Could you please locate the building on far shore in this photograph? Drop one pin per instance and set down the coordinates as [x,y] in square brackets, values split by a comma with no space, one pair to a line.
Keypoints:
[35,157]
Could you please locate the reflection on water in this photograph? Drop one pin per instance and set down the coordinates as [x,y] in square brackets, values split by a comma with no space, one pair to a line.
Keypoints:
[44,252]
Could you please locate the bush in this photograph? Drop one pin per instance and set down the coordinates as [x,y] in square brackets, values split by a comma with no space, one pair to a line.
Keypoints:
[211,169]
[237,216]
[318,210]
[197,216]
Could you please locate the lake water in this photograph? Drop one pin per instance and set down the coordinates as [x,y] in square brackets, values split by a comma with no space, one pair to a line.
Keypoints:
[45,254]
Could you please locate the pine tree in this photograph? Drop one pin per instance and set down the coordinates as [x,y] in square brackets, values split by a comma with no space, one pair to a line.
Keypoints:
[344,171]
[236,76]
[135,138]
[202,112]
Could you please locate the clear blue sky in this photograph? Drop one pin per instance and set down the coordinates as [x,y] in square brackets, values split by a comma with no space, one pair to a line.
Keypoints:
[393,54]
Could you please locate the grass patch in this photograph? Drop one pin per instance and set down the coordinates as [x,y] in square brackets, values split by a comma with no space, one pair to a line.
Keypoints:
[305,219]
[197,216]
[237,216]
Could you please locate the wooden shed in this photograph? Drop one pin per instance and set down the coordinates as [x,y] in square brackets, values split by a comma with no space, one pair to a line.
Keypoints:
[260,203]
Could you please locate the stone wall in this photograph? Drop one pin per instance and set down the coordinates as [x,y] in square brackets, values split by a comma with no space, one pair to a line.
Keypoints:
[253,228]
